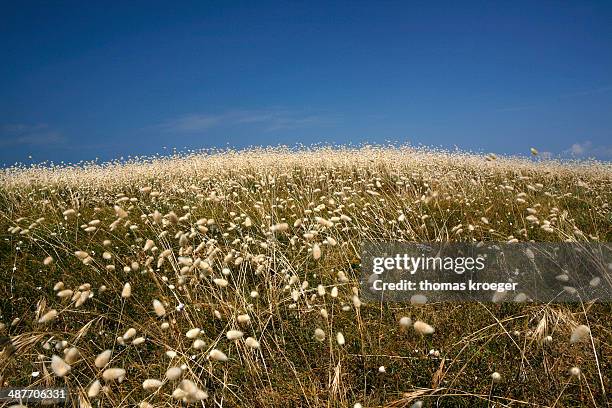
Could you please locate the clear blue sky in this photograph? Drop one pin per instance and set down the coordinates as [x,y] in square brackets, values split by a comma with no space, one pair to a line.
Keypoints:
[80,80]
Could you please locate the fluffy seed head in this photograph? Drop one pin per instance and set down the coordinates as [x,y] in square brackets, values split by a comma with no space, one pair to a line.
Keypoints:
[159,308]
[49,316]
[151,384]
[316,251]
[113,374]
[127,291]
[423,328]
[234,334]
[252,343]
[319,334]
[129,333]
[94,389]
[243,318]
[103,358]
[217,355]
[405,322]
[580,333]
[59,366]
[174,373]
[198,344]
[193,333]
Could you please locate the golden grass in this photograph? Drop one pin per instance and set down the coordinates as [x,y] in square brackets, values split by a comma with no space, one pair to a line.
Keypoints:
[232,278]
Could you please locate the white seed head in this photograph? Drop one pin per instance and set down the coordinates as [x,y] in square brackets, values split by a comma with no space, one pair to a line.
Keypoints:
[103,358]
[316,251]
[71,355]
[174,373]
[49,316]
[319,334]
[64,294]
[198,344]
[252,343]
[127,291]
[151,384]
[193,333]
[217,355]
[59,366]
[159,308]
[580,333]
[113,374]
[94,389]
[405,322]
[234,334]
[243,318]
[418,299]
[137,341]
[423,328]
[129,333]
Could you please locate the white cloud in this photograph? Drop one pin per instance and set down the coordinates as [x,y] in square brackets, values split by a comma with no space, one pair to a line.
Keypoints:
[190,123]
[587,149]
[268,120]
[31,135]
[594,91]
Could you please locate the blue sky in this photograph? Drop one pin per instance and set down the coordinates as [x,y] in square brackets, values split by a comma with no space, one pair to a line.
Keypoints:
[85,80]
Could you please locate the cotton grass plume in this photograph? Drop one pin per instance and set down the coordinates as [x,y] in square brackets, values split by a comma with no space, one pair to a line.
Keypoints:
[103,358]
[319,334]
[234,334]
[252,343]
[59,366]
[579,334]
[217,355]
[151,384]
[94,389]
[193,333]
[113,374]
[159,308]
[48,317]
[127,291]
[405,322]
[173,373]
[316,252]
[423,328]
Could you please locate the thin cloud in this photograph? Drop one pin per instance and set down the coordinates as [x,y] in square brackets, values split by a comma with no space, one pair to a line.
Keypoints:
[595,91]
[268,120]
[588,92]
[190,123]
[29,135]
[517,108]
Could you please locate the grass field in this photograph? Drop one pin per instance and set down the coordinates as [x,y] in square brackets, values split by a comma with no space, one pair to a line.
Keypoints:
[231,279]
